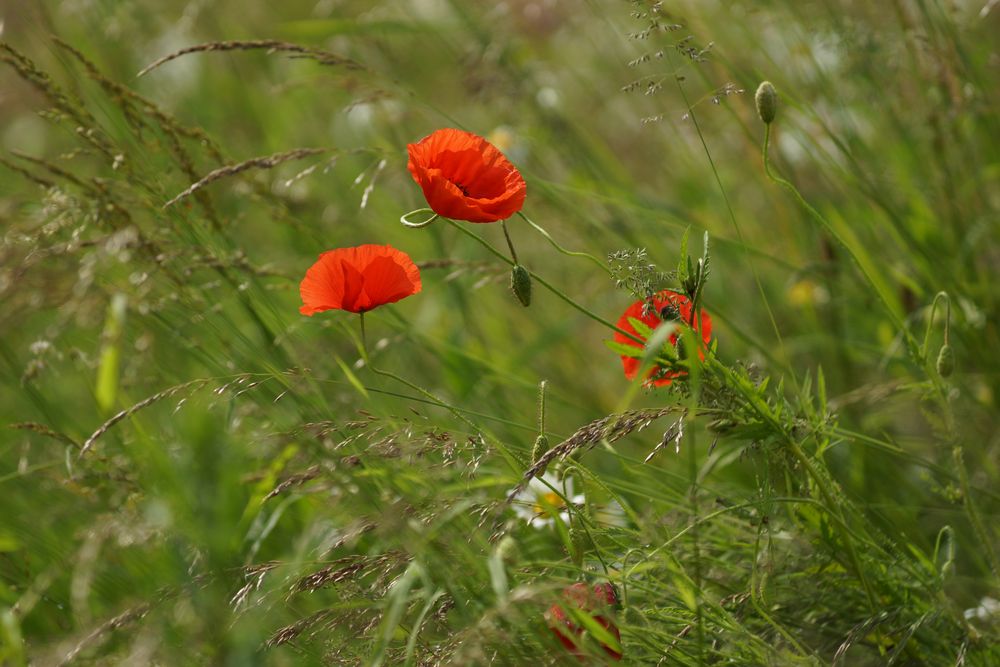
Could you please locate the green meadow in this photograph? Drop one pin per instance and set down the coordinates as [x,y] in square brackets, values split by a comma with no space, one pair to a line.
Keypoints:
[800,466]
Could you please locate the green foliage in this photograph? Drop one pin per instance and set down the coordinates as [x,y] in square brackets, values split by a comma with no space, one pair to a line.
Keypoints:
[194,473]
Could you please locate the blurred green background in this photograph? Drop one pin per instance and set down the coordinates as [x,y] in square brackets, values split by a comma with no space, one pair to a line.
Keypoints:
[631,122]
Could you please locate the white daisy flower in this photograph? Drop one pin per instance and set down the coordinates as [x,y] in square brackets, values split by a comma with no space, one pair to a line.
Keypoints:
[987,609]
[539,504]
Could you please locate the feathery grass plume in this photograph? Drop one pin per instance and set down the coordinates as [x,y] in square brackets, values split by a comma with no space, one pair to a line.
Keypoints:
[766,99]
[42,429]
[674,434]
[30,175]
[291,632]
[297,479]
[84,123]
[264,162]
[610,428]
[103,632]
[345,569]
[134,105]
[268,45]
[142,113]
[193,385]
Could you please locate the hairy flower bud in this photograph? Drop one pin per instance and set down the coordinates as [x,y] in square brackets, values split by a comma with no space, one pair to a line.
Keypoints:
[945,361]
[520,284]
[767,102]
[541,446]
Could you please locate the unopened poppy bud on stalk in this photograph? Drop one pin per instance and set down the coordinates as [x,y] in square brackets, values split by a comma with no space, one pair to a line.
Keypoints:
[945,361]
[520,284]
[767,102]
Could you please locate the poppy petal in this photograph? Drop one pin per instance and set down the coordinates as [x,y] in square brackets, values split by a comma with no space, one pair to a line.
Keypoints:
[355,299]
[465,177]
[387,282]
[358,279]
[322,287]
[658,376]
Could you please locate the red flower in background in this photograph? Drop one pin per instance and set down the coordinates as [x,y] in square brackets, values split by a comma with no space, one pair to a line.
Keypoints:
[599,603]
[667,305]
[465,177]
[358,279]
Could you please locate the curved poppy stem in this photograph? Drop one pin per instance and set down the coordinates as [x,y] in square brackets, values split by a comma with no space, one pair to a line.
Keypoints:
[544,283]
[510,244]
[930,320]
[571,253]
[911,344]
[417,225]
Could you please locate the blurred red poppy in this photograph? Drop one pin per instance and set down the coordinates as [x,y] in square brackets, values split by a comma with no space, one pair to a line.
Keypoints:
[465,177]
[599,603]
[666,305]
[358,279]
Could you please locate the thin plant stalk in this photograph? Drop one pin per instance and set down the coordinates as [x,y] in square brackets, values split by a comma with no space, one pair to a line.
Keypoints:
[825,224]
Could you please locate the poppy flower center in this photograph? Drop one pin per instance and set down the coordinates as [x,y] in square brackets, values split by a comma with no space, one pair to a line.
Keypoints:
[669,313]
[464,177]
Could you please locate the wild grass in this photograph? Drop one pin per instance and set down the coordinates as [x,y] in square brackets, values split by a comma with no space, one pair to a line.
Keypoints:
[193,473]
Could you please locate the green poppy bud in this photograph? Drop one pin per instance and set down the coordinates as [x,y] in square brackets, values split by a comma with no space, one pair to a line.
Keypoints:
[767,102]
[520,284]
[945,361]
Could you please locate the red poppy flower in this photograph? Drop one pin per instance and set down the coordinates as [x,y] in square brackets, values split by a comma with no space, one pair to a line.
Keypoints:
[667,305]
[599,603]
[358,279]
[465,177]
